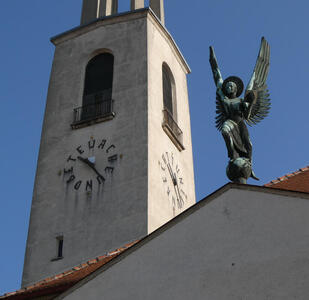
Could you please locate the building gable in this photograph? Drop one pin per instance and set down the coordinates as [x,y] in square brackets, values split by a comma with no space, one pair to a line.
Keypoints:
[251,242]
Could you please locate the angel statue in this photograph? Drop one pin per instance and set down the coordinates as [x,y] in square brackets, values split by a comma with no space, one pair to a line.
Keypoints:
[234,112]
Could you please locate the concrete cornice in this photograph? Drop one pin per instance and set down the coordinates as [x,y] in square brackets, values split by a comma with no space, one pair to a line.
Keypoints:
[107,20]
[122,17]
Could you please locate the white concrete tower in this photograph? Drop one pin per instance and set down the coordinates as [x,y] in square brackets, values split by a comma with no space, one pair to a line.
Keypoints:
[115,160]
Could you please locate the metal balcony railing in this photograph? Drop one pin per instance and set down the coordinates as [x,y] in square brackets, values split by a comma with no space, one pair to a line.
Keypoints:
[173,128]
[102,107]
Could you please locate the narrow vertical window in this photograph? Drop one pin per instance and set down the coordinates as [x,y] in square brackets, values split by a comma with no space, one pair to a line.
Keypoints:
[169,124]
[167,90]
[60,247]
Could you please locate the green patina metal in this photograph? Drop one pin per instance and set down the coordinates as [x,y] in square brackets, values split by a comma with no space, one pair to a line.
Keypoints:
[235,113]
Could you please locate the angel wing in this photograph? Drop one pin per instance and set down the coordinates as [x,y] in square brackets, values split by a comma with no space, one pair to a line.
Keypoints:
[260,107]
[220,118]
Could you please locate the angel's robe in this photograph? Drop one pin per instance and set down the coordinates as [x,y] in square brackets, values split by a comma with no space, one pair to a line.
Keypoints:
[234,129]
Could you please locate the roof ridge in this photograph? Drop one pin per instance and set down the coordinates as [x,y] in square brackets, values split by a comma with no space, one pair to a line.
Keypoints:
[287,176]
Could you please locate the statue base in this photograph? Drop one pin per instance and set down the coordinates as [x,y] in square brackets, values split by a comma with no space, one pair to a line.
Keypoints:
[239,170]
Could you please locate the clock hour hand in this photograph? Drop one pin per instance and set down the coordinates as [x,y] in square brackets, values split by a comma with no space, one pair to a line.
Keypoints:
[91,165]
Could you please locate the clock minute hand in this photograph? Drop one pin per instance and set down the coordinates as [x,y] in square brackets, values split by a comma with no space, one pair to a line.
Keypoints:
[177,196]
[171,173]
[86,161]
[180,197]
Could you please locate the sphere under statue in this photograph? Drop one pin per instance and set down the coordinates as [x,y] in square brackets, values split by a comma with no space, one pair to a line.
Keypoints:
[239,169]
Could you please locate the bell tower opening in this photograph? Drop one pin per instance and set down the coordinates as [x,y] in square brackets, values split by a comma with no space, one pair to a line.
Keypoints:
[98,86]
[95,9]
[169,91]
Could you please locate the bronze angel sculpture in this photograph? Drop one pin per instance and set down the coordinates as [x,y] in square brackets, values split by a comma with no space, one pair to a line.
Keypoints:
[233,112]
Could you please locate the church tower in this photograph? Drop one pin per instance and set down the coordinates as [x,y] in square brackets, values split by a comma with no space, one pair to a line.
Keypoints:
[115,160]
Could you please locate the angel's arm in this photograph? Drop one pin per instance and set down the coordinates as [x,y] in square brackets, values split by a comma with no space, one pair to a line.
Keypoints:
[220,107]
[248,103]
[215,70]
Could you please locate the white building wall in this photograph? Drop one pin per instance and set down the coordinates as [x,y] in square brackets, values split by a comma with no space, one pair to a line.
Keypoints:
[241,244]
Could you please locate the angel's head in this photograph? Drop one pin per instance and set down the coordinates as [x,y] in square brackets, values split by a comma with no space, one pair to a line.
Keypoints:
[232,87]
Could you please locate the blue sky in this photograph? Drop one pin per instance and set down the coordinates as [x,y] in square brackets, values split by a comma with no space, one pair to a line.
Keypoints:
[234,28]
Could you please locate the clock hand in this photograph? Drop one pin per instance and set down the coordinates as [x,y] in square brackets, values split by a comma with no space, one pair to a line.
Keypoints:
[169,169]
[177,196]
[86,161]
[180,201]
[91,165]
[171,173]
[180,197]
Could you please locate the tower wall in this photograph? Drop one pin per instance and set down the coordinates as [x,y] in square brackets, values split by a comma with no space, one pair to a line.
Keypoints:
[161,207]
[70,203]
[109,217]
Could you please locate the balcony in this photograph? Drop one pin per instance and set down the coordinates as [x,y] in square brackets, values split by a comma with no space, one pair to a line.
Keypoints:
[101,110]
[172,130]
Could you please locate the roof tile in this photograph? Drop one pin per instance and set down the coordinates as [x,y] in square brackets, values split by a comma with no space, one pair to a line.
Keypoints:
[93,261]
[296,181]
[61,282]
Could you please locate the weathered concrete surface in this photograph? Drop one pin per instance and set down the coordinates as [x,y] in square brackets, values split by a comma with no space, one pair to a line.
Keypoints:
[127,207]
[245,244]
[116,214]
[136,4]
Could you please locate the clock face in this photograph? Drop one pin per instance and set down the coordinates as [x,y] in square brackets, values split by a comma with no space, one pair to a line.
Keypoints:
[173,181]
[90,165]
